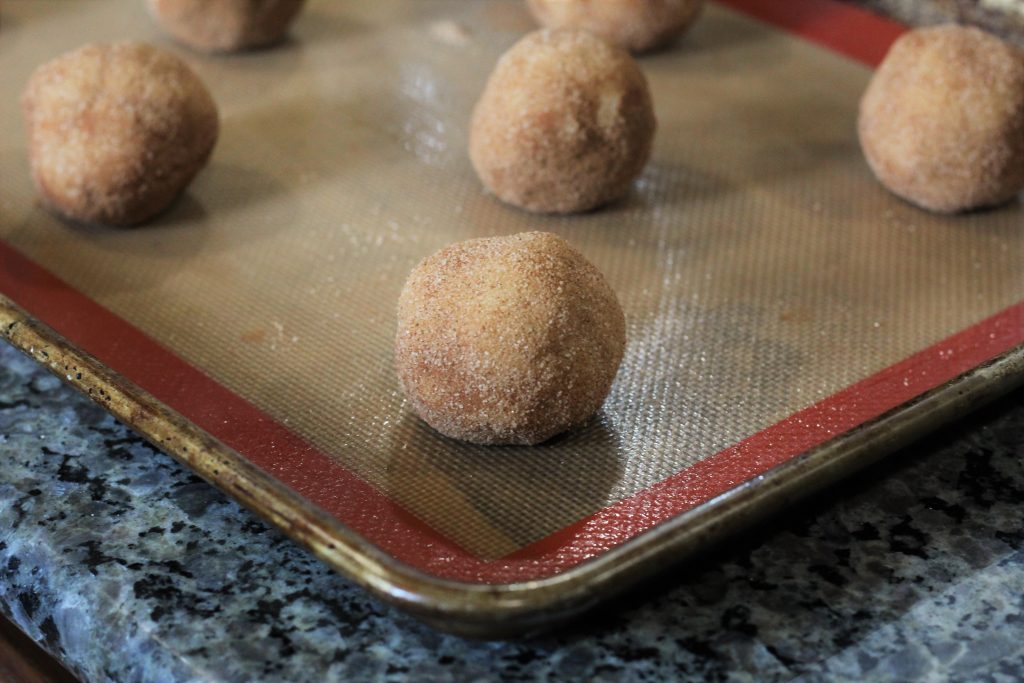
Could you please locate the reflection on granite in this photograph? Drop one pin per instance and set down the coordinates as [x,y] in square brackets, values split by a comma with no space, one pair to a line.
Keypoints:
[129,568]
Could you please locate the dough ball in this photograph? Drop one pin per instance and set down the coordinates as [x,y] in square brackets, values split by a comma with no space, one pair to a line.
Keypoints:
[942,121]
[636,25]
[226,25]
[117,131]
[508,340]
[564,124]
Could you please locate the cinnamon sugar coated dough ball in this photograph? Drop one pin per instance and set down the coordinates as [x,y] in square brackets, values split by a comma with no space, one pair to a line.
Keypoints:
[564,124]
[942,121]
[636,25]
[508,340]
[116,132]
[226,25]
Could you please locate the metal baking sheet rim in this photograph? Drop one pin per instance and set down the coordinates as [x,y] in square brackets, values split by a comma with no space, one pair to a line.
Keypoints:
[500,610]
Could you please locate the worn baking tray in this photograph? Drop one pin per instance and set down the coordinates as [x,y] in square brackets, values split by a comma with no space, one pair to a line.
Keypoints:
[788,319]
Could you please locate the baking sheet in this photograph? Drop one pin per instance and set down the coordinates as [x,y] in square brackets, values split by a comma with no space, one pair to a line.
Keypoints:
[762,270]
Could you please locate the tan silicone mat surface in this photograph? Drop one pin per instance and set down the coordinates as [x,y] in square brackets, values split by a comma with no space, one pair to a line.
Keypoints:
[760,266]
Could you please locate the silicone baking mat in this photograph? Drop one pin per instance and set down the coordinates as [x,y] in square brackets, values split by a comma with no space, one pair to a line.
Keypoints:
[776,296]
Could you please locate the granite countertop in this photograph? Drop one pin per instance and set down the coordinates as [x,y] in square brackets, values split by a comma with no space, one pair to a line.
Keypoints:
[1003,17]
[129,568]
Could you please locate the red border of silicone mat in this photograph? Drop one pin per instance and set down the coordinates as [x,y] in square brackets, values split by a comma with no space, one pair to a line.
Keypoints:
[366,510]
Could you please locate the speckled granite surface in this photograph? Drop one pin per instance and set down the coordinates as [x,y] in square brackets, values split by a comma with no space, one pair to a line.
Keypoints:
[1003,17]
[129,568]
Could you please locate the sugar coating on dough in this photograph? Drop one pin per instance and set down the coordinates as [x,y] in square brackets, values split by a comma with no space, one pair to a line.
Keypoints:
[116,131]
[226,25]
[507,340]
[636,25]
[565,123]
[942,122]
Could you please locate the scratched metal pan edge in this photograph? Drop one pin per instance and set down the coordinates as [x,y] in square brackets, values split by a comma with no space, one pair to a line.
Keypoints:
[509,609]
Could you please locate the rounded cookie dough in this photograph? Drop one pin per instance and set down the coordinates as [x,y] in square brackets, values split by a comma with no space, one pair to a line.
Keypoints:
[226,25]
[565,123]
[942,121]
[117,131]
[508,340]
[636,25]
